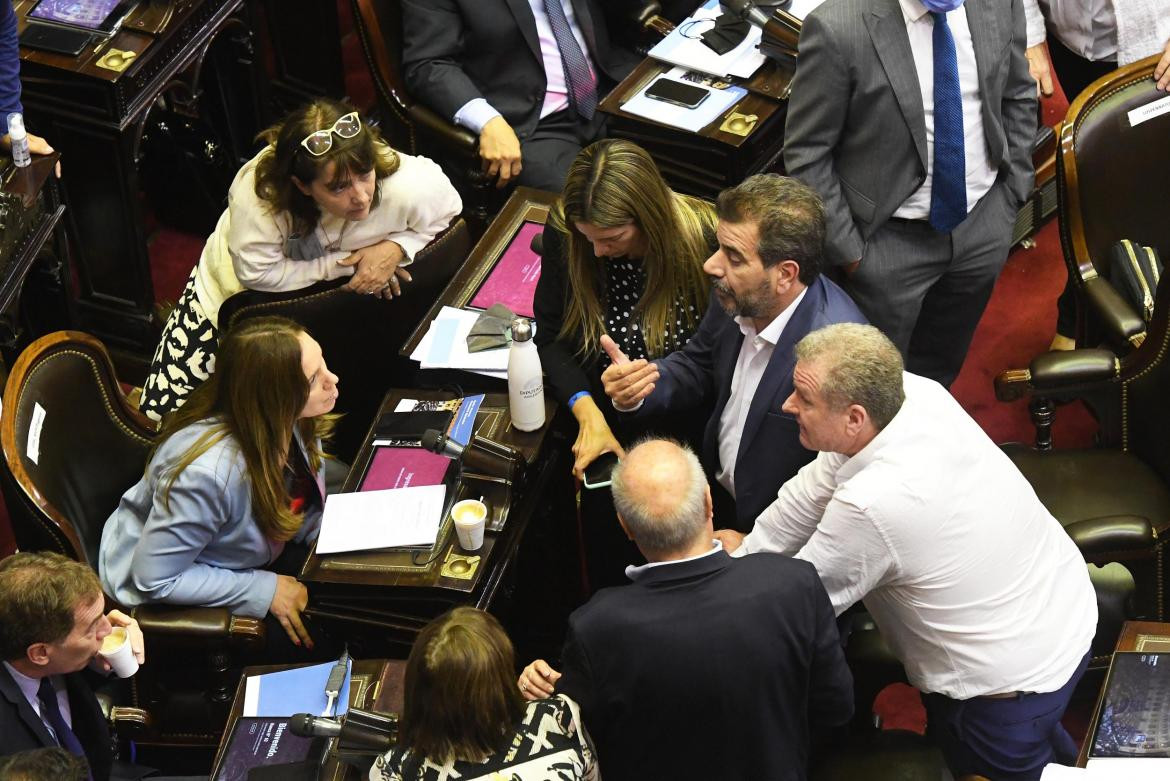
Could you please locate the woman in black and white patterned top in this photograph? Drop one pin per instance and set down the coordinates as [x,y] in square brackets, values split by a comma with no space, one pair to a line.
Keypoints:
[464,718]
[623,255]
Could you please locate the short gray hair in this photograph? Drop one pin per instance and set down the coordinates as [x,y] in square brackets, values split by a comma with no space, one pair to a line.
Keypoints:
[656,529]
[860,365]
[790,217]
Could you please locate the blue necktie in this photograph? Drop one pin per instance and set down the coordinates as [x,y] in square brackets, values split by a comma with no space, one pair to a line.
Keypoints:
[51,713]
[948,189]
[578,77]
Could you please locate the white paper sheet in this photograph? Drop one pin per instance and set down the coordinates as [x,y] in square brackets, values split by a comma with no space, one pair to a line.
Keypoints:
[683,47]
[397,517]
[692,119]
[445,345]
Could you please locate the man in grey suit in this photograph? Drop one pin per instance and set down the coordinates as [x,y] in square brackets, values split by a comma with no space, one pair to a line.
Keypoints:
[915,124]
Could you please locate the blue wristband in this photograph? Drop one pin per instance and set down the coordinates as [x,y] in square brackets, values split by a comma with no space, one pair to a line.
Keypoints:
[573,399]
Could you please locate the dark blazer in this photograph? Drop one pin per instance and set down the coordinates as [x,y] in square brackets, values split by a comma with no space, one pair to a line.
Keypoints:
[458,50]
[769,450]
[22,730]
[710,668]
[856,128]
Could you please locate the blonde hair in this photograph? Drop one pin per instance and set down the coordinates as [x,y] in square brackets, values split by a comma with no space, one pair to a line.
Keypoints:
[613,183]
[255,395]
[860,366]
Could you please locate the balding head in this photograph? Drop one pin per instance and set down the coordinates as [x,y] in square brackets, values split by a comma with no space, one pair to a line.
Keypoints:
[662,499]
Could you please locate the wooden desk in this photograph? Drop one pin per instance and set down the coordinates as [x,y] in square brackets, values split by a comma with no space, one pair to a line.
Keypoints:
[375,685]
[1152,636]
[706,162]
[95,108]
[30,231]
[380,600]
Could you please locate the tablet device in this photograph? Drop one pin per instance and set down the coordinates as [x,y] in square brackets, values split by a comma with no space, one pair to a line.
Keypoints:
[1134,720]
[94,16]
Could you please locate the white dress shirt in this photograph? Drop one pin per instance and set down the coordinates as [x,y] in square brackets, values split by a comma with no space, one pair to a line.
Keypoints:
[975,586]
[30,688]
[980,174]
[754,354]
[633,572]
[477,112]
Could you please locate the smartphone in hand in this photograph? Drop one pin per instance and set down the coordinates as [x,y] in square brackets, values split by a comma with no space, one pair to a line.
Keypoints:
[597,474]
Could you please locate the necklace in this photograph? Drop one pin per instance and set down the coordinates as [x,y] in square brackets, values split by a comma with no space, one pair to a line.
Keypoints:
[333,245]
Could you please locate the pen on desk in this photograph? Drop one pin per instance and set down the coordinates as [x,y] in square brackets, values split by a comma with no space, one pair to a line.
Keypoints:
[334,683]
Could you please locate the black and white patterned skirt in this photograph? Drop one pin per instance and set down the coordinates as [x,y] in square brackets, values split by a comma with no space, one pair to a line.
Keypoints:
[185,356]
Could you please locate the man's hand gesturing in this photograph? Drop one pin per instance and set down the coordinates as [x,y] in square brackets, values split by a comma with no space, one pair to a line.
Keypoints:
[626,382]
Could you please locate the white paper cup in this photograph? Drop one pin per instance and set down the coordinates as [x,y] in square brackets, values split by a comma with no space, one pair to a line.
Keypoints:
[469,517]
[117,651]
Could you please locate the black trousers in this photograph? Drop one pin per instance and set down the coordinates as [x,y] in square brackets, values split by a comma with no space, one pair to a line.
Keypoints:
[547,154]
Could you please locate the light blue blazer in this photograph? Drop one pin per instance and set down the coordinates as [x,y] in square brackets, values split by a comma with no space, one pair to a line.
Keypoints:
[204,548]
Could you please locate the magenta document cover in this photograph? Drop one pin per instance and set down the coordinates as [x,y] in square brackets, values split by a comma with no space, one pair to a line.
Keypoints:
[513,281]
[403,467]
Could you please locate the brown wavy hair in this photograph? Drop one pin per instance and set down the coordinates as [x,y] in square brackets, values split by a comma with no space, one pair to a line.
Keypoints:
[255,395]
[460,699]
[613,183]
[286,158]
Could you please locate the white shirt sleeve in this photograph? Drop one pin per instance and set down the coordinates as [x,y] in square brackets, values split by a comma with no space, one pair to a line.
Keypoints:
[256,245]
[850,554]
[477,112]
[787,523]
[1034,21]
[425,202]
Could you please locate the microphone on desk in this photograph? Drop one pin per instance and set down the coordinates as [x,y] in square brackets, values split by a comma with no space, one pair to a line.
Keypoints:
[746,10]
[480,454]
[357,729]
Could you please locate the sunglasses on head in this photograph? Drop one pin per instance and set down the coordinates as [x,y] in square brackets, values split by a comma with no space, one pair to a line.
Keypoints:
[319,142]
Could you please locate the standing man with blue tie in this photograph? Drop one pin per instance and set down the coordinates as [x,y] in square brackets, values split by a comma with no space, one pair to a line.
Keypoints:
[524,75]
[914,120]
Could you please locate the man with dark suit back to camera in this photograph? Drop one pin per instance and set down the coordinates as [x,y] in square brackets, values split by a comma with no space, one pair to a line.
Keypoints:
[524,75]
[703,667]
[914,120]
[52,623]
[767,293]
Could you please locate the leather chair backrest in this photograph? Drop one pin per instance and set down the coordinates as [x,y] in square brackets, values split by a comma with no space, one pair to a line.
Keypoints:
[1111,171]
[72,445]
[1144,416]
[360,336]
[379,27]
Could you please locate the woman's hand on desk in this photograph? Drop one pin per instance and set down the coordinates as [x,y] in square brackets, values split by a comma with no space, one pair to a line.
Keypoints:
[290,599]
[594,436]
[538,680]
[377,270]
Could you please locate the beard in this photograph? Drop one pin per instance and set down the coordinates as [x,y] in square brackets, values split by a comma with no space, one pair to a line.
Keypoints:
[753,303]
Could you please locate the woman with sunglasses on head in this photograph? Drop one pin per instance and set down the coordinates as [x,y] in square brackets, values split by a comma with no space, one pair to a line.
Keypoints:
[325,198]
[234,488]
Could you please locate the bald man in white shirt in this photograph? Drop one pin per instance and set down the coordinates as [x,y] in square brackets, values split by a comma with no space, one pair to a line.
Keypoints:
[975,586]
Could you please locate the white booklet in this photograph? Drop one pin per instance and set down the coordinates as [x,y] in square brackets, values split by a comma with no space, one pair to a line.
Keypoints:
[391,518]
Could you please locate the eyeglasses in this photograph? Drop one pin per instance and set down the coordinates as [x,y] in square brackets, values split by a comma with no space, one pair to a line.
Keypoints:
[321,141]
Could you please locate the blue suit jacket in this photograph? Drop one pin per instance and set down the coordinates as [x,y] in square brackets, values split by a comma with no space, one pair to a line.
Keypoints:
[769,450]
[22,730]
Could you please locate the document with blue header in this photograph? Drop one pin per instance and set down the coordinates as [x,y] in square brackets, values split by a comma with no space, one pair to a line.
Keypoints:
[299,690]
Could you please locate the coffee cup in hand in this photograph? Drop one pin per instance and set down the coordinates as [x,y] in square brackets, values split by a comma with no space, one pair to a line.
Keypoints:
[117,651]
[469,516]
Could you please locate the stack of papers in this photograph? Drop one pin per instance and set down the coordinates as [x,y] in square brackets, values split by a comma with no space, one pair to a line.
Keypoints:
[684,47]
[692,119]
[390,518]
[445,346]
